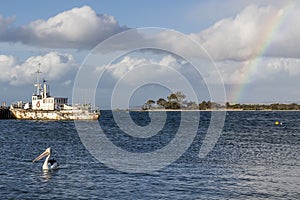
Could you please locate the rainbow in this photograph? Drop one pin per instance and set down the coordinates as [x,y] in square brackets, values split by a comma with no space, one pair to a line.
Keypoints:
[274,23]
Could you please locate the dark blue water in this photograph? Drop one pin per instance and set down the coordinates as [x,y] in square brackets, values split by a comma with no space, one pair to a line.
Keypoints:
[253,159]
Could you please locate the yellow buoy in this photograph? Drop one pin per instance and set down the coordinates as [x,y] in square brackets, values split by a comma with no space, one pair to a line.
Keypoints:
[277,122]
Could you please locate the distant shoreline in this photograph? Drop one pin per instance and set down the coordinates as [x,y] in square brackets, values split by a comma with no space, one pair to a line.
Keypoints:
[219,110]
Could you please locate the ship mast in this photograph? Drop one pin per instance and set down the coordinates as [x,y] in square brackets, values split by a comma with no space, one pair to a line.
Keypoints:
[37,86]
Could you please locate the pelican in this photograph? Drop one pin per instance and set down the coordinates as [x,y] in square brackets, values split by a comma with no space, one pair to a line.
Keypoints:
[48,164]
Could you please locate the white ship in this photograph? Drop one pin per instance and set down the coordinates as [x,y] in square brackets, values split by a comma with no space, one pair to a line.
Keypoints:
[45,107]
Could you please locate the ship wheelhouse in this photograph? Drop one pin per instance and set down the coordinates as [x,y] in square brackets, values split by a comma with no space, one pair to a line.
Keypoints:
[41,98]
[43,101]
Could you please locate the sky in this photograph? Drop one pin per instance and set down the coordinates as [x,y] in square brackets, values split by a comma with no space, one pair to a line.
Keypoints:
[249,48]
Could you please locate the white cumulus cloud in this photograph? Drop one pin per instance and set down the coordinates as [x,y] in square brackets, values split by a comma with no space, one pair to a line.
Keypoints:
[76,28]
[129,63]
[245,36]
[6,63]
[54,66]
[267,69]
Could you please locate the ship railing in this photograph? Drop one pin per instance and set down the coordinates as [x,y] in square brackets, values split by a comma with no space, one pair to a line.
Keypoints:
[18,104]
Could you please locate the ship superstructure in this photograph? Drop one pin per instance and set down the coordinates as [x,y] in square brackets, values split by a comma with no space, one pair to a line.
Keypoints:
[46,107]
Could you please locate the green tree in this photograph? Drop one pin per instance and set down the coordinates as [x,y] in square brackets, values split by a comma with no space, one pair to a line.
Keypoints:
[149,103]
[227,105]
[161,102]
[172,97]
[203,105]
[172,105]
[180,97]
[192,105]
[209,105]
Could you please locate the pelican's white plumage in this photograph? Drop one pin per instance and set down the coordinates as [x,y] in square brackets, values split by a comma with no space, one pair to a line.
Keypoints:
[48,164]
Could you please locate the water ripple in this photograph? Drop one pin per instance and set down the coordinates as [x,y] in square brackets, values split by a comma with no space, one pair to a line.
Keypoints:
[253,159]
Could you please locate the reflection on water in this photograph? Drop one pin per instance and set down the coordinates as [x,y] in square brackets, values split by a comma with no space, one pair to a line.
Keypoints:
[46,175]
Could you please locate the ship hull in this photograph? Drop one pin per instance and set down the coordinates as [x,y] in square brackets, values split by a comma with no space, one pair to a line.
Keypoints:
[29,114]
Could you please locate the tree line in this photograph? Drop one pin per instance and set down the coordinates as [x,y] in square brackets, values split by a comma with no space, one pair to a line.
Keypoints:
[176,101]
[274,106]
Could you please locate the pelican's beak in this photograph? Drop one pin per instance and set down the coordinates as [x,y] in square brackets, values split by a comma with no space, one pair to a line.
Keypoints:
[45,153]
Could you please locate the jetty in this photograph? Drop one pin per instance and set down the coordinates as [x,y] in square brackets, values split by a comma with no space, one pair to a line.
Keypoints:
[5,113]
